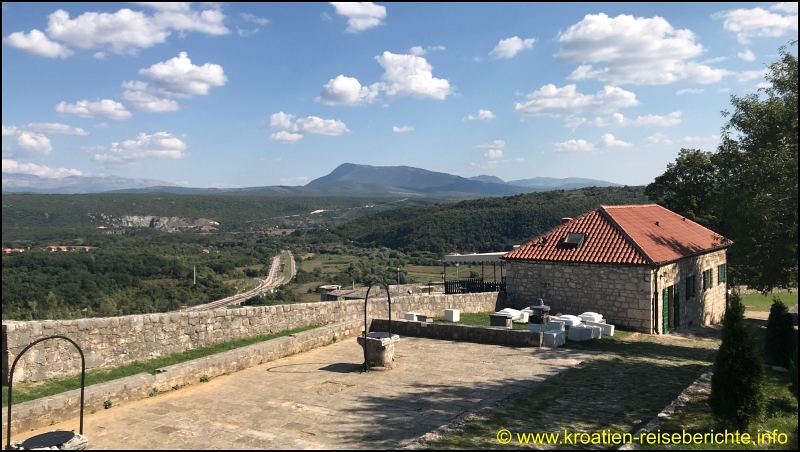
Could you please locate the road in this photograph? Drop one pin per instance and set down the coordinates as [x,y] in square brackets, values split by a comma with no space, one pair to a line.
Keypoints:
[272,280]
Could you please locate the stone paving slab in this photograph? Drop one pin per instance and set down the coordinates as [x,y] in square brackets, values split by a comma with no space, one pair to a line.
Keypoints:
[319,400]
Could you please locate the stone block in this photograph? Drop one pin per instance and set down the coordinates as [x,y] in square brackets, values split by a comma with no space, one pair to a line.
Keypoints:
[554,338]
[555,325]
[579,333]
[452,315]
[608,330]
[537,327]
[411,315]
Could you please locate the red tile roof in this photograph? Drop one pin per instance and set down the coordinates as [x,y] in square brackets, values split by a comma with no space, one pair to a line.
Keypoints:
[634,234]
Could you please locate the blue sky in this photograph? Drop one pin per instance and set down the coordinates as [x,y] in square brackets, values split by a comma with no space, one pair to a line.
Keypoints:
[232,95]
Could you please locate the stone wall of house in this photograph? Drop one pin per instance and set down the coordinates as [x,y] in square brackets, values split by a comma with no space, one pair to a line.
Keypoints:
[621,293]
[113,341]
[706,307]
[629,296]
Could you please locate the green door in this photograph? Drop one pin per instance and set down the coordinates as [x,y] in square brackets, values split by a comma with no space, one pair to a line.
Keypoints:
[665,309]
[676,305]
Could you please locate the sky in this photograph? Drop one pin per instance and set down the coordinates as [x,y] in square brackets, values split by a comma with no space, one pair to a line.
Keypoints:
[254,94]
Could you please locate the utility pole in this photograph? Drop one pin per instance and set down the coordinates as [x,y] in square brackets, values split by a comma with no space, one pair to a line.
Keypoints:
[398,276]
[194,278]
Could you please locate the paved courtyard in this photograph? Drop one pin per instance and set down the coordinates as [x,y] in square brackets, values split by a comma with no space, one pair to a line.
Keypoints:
[318,399]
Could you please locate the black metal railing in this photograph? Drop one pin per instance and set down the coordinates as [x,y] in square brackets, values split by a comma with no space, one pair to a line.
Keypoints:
[473,285]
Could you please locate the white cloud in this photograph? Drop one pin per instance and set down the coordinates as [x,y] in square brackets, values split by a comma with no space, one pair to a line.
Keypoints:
[496,144]
[747,55]
[285,137]
[34,143]
[180,78]
[402,129]
[635,50]
[746,76]
[606,141]
[787,7]
[36,43]
[573,122]
[160,145]
[100,55]
[10,131]
[698,139]
[347,91]
[482,115]
[298,180]
[574,146]
[254,19]
[141,98]
[102,125]
[404,75]
[617,119]
[419,50]
[104,108]
[311,125]
[507,48]
[758,22]
[552,101]
[54,128]
[317,126]
[410,75]
[681,92]
[713,60]
[360,15]
[281,120]
[12,166]
[764,85]
[494,154]
[657,138]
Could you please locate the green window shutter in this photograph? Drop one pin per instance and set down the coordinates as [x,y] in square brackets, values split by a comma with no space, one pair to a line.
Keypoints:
[710,278]
[665,310]
[725,271]
[676,303]
[694,285]
[688,284]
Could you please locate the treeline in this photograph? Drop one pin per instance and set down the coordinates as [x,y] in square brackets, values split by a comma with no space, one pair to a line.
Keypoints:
[128,276]
[483,225]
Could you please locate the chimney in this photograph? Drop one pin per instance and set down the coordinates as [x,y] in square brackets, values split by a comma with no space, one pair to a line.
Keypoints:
[566,220]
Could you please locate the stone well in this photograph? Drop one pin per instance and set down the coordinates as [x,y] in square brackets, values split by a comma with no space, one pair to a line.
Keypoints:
[379,347]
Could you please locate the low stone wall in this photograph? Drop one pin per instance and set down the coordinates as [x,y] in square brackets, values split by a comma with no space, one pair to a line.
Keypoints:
[455,332]
[65,406]
[114,341]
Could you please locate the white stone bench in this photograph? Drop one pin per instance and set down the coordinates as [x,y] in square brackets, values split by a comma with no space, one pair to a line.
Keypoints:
[608,330]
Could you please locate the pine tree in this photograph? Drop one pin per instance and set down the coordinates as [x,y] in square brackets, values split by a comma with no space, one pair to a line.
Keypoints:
[781,338]
[737,384]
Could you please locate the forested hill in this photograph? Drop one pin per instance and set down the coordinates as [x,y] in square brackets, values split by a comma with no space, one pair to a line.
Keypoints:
[483,225]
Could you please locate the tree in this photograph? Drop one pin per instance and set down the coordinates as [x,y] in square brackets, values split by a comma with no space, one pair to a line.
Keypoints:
[687,187]
[780,341]
[757,179]
[747,190]
[737,383]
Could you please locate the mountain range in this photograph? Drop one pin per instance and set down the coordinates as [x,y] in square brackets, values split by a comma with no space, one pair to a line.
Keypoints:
[346,180]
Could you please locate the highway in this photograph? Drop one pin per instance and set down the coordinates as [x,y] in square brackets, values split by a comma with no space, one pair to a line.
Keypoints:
[273,279]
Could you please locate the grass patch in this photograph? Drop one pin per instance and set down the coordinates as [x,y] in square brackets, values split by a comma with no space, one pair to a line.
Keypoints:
[24,392]
[478,319]
[696,417]
[758,302]
[621,392]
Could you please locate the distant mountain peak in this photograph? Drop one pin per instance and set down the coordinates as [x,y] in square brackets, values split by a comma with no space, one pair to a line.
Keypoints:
[487,178]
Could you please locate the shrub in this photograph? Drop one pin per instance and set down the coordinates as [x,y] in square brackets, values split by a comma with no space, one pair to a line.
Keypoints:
[107,404]
[737,383]
[781,338]
[793,372]
[153,393]
[204,378]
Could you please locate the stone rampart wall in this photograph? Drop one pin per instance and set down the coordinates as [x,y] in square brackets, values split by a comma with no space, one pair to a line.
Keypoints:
[114,341]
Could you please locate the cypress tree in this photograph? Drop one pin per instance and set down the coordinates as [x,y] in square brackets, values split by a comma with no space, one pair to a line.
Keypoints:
[781,339]
[737,384]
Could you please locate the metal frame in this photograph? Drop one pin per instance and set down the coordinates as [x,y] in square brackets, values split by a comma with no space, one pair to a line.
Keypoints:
[11,381]
[365,366]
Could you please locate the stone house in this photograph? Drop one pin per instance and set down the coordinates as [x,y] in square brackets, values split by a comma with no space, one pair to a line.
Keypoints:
[640,266]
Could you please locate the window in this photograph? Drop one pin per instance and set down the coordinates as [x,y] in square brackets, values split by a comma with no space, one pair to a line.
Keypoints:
[691,286]
[722,273]
[574,239]
[708,279]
